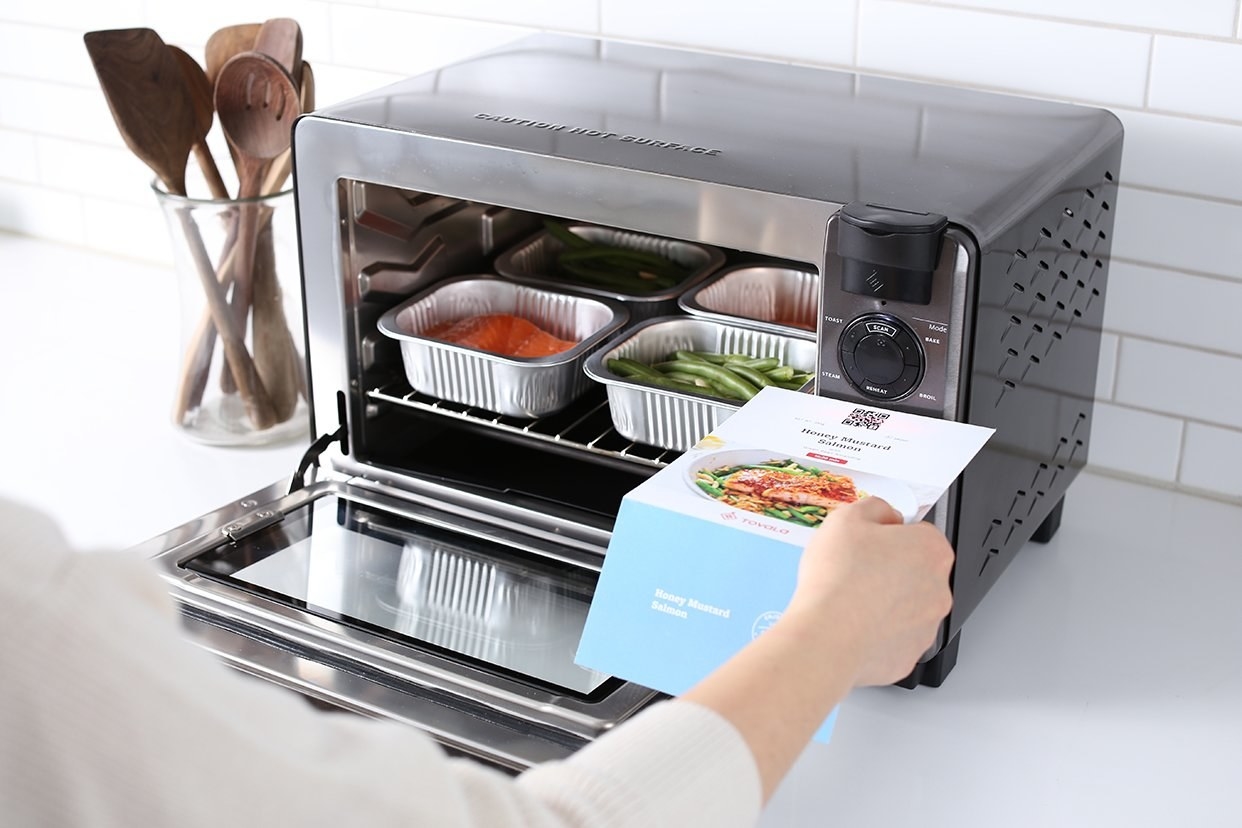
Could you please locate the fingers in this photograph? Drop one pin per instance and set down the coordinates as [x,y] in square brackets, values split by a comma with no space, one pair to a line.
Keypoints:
[873,509]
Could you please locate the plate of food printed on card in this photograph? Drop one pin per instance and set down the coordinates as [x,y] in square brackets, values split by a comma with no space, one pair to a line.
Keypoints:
[799,490]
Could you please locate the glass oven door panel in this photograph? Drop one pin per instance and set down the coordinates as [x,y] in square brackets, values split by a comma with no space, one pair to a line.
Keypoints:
[456,595]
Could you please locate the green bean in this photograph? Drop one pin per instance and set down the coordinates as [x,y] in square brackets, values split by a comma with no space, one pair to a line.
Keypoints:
[668,382]
[630,278]
[690,355]
[725,392]
[566,236]
[758,363]
[631,368]
[755,378]
[806,520]
[714,491]
[719,376]
[717,359]
[625,281]
[684,377]
[781,373]
[625,257]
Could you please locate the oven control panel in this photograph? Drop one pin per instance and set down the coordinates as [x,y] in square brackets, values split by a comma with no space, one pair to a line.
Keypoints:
[880,356]
[892,310]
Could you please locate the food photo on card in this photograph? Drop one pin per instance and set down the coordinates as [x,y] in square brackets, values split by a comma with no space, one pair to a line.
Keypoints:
[704,554]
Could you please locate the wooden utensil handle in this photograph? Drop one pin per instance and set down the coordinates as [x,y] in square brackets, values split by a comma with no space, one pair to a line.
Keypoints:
[196,366]
[243,275]
[254,395]
[275,355]
[207,163]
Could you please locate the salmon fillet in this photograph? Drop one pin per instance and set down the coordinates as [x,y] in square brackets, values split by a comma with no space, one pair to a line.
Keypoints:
[500,333]
[827,490]
[540,343]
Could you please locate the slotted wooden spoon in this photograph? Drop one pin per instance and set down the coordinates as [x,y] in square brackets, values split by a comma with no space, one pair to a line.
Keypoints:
[279,170]
[194,374]
[257,102]
[146,91]
[223,45]
[280,38]
[226,42]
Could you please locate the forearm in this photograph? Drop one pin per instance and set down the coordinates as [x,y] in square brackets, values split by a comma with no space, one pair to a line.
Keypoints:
[779,690]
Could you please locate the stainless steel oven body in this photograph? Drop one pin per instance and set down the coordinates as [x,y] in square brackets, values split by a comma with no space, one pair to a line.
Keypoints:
[961,243]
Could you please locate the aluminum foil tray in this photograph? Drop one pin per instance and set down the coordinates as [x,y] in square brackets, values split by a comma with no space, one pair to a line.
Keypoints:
[772,298]
[514,386]
[673,419]
[534,261]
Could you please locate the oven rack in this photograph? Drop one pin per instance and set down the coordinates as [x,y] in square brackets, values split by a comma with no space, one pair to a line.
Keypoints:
[585,426]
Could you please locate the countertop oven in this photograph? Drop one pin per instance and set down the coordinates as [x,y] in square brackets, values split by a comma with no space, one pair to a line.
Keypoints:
[432,559]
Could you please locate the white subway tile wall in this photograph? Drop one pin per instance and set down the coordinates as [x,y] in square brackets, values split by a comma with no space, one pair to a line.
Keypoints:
[1004,51]
[1211,458]
[1136,442]
[1107,376]
[1170,376]
[1193,76]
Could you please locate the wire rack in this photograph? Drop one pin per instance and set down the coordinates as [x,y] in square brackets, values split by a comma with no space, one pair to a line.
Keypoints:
[585,425]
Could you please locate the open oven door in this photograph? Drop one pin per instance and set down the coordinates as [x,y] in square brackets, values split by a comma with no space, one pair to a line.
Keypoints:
[398,610]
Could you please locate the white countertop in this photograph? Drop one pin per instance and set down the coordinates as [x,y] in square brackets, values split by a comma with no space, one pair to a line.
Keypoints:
[1098,684]
[91,355]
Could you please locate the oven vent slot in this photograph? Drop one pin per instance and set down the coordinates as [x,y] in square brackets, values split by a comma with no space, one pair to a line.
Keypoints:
[585,426]
[1027,507]
[1053,287]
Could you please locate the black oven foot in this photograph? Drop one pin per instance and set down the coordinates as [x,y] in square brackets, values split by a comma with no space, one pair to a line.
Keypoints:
[1051,523]
[935,670]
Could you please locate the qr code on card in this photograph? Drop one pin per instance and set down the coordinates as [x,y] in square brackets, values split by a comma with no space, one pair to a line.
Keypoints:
[865,418]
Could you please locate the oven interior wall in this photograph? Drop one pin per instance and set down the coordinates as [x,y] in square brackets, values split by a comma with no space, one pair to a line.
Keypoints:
[572,464]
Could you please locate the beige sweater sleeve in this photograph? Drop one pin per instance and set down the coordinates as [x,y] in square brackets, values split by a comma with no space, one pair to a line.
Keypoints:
[111,718]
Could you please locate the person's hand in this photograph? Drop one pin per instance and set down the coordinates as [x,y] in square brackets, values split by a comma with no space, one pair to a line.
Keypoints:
[883,587]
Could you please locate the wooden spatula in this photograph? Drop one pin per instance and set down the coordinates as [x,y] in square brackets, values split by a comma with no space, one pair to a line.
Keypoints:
[147,94]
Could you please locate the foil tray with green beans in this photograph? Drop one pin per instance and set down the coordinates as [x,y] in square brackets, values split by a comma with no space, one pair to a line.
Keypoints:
[724,376]
[612,266]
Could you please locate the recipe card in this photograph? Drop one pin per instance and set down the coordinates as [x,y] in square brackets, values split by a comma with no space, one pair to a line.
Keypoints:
[704,554]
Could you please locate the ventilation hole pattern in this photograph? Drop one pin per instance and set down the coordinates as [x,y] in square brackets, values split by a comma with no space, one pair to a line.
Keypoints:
[1054,285]
[1000,537]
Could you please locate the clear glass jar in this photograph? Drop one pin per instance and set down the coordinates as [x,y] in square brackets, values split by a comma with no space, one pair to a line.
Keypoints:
[243,375]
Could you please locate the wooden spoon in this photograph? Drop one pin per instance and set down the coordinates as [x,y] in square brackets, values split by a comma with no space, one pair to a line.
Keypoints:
[258,102]
[223,44]
[275,355]
[226,42]
[150,102]
[279,170]
[204,112]
[198,359]
[280,38]
[267,301]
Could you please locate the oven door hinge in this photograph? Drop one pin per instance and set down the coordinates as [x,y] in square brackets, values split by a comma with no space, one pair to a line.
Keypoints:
[250,524]
[311,457]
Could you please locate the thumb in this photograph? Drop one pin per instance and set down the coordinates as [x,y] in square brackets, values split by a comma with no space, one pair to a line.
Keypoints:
[873,510]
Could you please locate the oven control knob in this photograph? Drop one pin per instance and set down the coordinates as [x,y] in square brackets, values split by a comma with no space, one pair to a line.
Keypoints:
[878,358]
[881,356]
